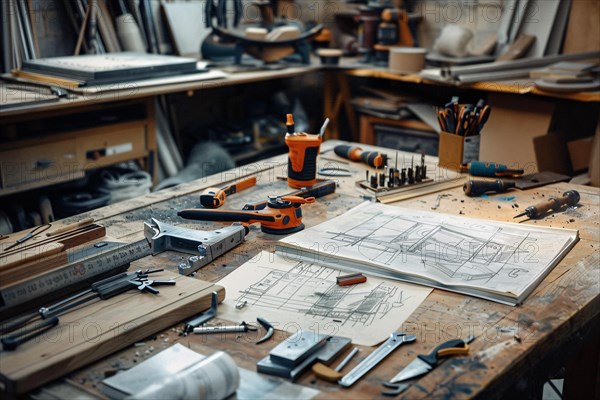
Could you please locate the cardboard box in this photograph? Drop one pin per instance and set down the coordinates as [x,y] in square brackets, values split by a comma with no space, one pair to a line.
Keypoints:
[580,153]
[508,136]
[456,150]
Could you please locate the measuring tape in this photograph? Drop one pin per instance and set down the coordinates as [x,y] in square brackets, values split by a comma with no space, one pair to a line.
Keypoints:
[73,273]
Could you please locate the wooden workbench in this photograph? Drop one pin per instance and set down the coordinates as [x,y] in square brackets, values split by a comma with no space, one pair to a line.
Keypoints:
[516,349]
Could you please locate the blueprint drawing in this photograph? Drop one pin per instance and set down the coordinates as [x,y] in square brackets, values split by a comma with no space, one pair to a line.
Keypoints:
[299,295]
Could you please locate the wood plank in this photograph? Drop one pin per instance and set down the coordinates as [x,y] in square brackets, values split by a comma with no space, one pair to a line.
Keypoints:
[93,331]
[34,254]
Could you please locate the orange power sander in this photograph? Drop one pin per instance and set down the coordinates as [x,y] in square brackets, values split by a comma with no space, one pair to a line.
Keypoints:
[283,215]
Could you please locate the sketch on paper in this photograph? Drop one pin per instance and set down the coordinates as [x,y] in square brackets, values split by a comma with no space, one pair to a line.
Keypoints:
[304,295]
[436,249]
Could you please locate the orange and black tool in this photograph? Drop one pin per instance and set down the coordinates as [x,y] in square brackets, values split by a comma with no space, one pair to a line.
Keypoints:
[215,197]
[302,159]
[283,215]
[317,190]
[372,158]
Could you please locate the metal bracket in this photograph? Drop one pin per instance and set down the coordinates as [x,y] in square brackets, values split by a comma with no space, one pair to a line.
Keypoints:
[204,245]
[204,317]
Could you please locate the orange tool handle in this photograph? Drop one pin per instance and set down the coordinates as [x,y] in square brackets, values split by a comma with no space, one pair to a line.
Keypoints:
[215,197]
[454,346]
[239,186]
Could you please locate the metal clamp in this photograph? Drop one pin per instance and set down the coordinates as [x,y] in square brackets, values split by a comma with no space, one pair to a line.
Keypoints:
[204,245]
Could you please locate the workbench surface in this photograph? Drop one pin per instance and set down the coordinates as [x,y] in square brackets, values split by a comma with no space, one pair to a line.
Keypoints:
[515,350]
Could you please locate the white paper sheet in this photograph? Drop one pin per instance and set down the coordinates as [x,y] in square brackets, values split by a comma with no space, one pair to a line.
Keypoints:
[295,295]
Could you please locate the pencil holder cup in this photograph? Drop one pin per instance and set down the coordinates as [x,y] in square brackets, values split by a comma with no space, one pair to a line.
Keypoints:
[456,150]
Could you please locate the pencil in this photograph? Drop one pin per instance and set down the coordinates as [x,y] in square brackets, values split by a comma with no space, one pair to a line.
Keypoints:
[72,226]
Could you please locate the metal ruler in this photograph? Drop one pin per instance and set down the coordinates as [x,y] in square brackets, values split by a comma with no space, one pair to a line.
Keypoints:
[393,342]
[104,261]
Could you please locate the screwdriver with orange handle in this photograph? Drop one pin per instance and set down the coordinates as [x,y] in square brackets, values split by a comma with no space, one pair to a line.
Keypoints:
[302,159]
[215,197]
[372,158]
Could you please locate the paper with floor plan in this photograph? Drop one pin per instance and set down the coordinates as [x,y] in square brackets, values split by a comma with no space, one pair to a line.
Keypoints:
[295,295]
[498,261]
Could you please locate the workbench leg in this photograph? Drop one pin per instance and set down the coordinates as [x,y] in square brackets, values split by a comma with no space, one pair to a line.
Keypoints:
[582,374]
[329,100]
[346,99]
[336,92]
[367,133]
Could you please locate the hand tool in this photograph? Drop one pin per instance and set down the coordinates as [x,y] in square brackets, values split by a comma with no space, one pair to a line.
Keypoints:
[267,325]
[66,228]
[302,158]
[317,190]
[74,274]
[333,375]
[394,341]
[11,342]
[243,327]
[205,316]
[103,289]
[569,198]
[481,168]
[283,215]
[371,158]
[204,245]
[215,197]
[521,182]
[426,362]
[476,187]
[35,231]
[334,345]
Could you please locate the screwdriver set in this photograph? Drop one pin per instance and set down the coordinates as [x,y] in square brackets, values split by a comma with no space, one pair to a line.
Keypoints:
[395,179]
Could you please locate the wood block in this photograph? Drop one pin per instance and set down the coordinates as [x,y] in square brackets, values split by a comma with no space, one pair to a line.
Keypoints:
[103,327]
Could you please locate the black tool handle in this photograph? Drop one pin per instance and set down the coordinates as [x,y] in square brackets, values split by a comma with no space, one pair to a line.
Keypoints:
[14,341]
[17,322]
[108,280]
[477,187]
[319,189]
[432,358]
[112,289]
[371,158]
[218,215]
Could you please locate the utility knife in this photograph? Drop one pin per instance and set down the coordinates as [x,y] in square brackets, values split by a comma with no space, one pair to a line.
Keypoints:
[426,362]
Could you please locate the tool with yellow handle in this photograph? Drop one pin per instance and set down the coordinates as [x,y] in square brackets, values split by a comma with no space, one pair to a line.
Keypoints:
[426,362]
[283,215]
[215,197]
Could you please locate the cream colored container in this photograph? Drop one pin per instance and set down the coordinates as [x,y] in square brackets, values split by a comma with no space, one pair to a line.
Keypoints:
[406,60]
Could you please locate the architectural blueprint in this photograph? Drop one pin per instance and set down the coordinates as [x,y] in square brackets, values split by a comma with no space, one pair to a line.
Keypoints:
[500,261]
[295,295]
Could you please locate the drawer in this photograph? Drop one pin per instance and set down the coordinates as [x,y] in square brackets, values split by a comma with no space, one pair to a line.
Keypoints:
[109,145]
[49,163]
